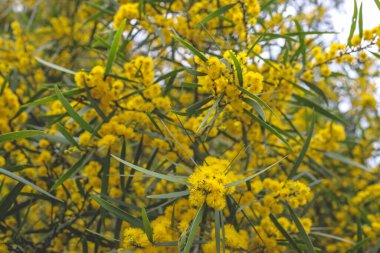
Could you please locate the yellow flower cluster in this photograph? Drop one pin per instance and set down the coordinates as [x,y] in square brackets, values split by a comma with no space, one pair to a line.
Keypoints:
[208,184]
[209,105]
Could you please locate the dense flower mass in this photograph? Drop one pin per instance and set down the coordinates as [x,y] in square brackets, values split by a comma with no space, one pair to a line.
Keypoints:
[187,126]
[208,184]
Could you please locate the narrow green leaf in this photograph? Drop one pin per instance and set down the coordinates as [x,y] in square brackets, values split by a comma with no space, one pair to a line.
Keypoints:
[169,74]
[47,99]
[20,135]
[375,248]
[217,230]
[302,47]
[72,171]
[8,200]
[194,226]
[361,20]
[317,108]
[215,14]
[66,134]
[246,179]
[190,47]
[70,110]
[316,89]
[169,195]
[284,233]
[54,66]
[93,102]
[194,72]
[269,127]
[305,147]
[117,211]
[146,224]
[353,23]
[258,100]
[237,68]
[334,237]
[256,106]
[345,160]
[6,80]
[377,2]
[114,47]
[190,85]
[173,179]
[101,8]
[376,54]
[194,107]
[141,8]
[169,84]
[26,182]
[301,231]
[213,107]
[359,235]
[358,247]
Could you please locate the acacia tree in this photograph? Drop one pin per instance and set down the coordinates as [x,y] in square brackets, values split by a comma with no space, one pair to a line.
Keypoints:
[187,126]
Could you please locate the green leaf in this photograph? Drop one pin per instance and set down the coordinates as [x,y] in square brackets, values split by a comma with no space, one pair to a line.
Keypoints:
[8,200]
[246,179]
[213,107]
[117,211]
[169,195]
[375,54]
[345,160]
[173,179]
[26,182]
[66,134]
[101,8]
[305,147]
[114,47]
[258,100]
[353,23]
[20,135]
[141,8]
[284,233]
[358,247]
[194,226]
[256,106]
[94,102]
[217,230]
[317,108]
[195,72]
[6,80]
[359,236]
[70,110]
[146,224]
[215,14]
[169,84]
[316,89]
[191,85]
[54,66]
[169,74]
[190,47]
[72,171]
[334,237]
[194,107]
[377,2]
[375,248]
[267,126]
[237,68]
[301,231]
[361,20]
[302,47]
[47,99]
